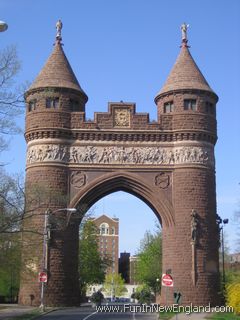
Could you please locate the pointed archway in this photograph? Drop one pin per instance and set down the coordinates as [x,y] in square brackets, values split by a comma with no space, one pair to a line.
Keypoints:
[131,183]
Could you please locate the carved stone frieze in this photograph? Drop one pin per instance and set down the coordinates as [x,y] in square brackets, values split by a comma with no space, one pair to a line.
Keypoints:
[147,155]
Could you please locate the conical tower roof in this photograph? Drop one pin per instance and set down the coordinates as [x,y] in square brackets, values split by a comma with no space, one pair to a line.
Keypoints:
[57,71]
[185,74]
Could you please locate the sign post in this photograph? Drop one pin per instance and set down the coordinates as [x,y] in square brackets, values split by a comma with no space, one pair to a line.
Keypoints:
[42,277]
[167,281]
[177,297]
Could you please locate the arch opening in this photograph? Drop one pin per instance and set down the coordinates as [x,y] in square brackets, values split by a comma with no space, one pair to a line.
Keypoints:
[132,184]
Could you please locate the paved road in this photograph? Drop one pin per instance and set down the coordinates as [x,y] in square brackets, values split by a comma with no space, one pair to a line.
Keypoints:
[91,314]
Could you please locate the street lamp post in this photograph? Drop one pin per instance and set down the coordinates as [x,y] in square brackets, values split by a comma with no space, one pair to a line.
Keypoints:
[156,288]
[221,222]
[3,26]
[46,237]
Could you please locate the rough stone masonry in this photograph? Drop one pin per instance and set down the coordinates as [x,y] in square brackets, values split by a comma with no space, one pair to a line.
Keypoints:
[168,163]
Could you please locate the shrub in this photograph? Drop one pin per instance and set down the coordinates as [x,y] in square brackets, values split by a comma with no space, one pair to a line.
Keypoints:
[143,294]
[97,297]
[233,296]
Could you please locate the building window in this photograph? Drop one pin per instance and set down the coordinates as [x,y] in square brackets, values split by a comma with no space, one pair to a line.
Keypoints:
[113,230]
[190,104]
[104,228]
[32,105]
[168,107]
[52,103]
[74,105]
[210,108]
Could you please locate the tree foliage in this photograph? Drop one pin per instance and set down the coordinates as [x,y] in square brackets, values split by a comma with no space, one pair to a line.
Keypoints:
[9,266]
[11,210]
[91,266]
[149,264]
[233,296]
[114,285]
[97,297]
[143,294]
[11,99]
[12,202]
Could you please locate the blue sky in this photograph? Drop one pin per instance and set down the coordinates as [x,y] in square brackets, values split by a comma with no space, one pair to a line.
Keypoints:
[124,50]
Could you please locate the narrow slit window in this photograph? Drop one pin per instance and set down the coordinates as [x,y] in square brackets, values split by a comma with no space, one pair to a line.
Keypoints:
[210,108]
[52,103]
[168,107]
[74,105]
[190,104]
[32,105]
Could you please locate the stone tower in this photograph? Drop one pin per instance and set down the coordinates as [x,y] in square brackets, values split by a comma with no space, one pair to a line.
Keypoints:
[51,100]
[186,106]
[168,163]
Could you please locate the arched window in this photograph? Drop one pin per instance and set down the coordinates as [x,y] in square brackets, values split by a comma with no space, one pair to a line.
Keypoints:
[104,228]
[113,230]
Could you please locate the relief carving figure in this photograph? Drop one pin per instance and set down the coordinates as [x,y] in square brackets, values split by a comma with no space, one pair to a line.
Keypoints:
[90,154]
[74,155]
[194,224]
[122,117]
[118,155]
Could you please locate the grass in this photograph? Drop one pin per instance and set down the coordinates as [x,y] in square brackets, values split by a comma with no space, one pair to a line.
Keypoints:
[166,315]
[224,316]
[27,316]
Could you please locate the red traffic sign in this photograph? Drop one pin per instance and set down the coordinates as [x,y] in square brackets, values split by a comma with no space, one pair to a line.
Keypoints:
[167,280]
[42,277]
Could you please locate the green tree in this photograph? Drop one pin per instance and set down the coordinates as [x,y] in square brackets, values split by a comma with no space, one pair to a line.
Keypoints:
[91,266]
[11,99]
[97,297]
[114,285]
[143,294]
[9,266]
[149,264]
[11,203]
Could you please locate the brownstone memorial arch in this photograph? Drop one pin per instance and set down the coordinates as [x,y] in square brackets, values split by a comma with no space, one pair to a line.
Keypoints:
[168,163]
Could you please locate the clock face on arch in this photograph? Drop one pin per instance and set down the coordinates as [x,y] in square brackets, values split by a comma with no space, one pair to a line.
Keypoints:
[121,117]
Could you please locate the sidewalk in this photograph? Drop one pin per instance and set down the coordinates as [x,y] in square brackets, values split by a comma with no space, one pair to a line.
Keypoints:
[13,310]
[192,316]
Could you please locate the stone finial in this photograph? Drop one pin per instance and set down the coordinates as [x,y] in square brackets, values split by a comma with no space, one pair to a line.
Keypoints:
[59,26]
[184,28]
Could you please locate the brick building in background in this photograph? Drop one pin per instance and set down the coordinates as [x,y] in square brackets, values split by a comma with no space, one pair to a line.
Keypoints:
[124,266]
[108,240]
[132,272]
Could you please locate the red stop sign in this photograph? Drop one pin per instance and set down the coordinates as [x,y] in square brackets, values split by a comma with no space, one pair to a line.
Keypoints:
[42,277]
[167,280]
